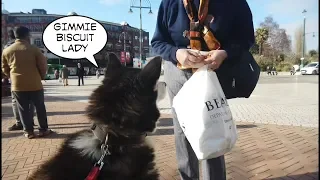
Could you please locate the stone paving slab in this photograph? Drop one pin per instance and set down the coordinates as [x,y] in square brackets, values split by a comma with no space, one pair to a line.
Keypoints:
[262,151]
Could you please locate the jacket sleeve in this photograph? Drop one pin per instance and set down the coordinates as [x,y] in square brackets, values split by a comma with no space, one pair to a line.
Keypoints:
[242,37]
[161,42]
[5,66]
[41,62]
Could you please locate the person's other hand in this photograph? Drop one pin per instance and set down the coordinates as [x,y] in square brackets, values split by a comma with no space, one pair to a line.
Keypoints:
[190,59]
[215,58]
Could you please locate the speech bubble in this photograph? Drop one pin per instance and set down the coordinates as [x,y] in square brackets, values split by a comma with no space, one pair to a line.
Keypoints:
[75,37]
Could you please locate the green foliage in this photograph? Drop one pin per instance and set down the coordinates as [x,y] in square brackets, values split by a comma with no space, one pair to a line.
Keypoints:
[261,35]
[306,61]
[284,66]
[264,62]
[280,57]
[254,49]
[312,53]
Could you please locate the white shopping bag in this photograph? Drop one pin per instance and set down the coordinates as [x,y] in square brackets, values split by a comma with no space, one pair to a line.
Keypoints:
[205,116]
[60,80]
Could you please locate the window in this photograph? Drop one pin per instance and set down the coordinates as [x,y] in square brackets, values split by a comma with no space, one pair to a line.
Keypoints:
[37,42]
[119,47]
[46,19]
[35,19]
[128,47]
[312,65]
[109,46]
[110,34]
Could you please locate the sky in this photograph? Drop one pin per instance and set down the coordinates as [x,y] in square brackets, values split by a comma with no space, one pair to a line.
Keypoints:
[287,13]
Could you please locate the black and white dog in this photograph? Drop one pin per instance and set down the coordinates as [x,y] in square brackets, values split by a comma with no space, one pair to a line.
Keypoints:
[123,109]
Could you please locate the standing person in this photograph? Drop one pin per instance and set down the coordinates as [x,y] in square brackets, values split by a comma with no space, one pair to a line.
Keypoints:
[98,73]
[274,71]
[26,66]
[64,75]
[292,71]
[268,71]
[80,73]
[18,124]
[56,73]
[231,24]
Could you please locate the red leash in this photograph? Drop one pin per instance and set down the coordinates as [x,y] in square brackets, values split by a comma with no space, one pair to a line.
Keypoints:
[95,171]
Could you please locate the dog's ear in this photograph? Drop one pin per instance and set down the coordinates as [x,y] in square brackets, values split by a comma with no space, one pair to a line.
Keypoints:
[113,63]
[151,72]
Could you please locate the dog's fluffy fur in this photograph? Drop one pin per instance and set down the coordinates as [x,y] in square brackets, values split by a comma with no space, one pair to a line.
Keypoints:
[125,106]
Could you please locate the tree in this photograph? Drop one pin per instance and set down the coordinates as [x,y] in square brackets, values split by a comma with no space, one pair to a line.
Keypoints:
[281,42]
[312,53]
[261,37]
[269,24]
[278,40]
[298,36]
[254,49]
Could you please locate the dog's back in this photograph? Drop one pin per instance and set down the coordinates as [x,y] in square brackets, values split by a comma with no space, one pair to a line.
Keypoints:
[123,110]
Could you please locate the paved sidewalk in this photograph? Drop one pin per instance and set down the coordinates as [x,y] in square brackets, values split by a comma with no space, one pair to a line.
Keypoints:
[262,151]
[275,100]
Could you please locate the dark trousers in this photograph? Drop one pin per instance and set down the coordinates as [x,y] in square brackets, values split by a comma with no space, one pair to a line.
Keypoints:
[16,111]
[24,99]
[188,164]
[80,77]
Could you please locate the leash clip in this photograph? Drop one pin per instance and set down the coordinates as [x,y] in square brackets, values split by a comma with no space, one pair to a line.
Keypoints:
[105,151]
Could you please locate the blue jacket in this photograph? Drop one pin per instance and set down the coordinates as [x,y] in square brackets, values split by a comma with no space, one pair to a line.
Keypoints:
[232,26]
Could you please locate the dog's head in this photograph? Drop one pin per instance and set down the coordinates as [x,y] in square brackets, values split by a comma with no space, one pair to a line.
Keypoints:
[126,100]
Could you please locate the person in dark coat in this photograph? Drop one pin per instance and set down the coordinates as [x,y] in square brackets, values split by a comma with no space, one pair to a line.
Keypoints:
[231,24]
[80,74]
[268,70]
[274,71]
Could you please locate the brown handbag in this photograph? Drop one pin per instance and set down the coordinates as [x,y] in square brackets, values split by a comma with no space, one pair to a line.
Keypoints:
[199,30]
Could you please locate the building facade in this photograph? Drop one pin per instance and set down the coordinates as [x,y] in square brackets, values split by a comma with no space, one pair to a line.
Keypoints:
[38,19]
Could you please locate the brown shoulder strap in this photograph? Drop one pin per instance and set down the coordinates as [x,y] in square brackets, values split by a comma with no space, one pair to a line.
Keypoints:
[188,5]
[203,10]
[192,11]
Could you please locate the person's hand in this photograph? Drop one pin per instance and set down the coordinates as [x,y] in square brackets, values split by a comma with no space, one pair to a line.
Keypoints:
[215,58]
[190,59]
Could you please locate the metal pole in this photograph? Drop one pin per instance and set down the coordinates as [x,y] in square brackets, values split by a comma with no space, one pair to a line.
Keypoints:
[124,48]
[304,39]
[303,36]
[141,34]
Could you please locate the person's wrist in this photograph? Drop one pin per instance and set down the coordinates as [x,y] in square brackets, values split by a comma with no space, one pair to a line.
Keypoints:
[224,54]
[174,54]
